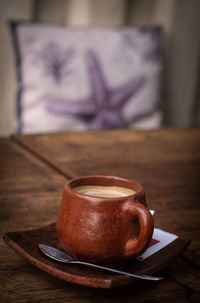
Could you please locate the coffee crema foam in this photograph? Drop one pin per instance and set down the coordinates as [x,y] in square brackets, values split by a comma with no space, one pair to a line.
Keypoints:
[104,191]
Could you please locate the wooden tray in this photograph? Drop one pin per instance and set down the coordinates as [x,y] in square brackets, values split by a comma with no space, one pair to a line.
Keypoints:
[25,243]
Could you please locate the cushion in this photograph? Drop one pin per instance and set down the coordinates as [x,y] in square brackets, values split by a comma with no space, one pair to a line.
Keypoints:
[87,78]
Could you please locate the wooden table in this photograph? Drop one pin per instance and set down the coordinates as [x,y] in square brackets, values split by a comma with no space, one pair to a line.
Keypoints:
[33,170]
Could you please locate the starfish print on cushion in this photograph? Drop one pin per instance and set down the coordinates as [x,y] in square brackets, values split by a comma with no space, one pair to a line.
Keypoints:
[103,109]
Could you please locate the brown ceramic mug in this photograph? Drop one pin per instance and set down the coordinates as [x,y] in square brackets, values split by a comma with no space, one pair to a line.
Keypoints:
[104,230]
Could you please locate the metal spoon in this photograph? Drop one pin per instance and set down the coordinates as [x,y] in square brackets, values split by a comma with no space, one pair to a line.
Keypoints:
[61,256]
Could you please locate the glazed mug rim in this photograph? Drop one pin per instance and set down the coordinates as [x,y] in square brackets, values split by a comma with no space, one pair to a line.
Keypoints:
[136,186]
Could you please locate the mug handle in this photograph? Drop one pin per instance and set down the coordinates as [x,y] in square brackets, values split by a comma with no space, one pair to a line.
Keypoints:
[135,247]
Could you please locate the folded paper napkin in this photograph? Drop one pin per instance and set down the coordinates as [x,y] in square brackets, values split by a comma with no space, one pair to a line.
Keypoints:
[159,240]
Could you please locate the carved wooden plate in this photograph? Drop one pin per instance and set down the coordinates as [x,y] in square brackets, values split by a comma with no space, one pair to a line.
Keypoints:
[25,243]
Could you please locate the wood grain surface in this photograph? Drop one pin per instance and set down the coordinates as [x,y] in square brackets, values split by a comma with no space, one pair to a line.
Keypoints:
[21,172]
[30,193]
[33,171]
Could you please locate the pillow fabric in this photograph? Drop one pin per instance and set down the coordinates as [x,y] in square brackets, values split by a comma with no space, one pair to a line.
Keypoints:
[87,78]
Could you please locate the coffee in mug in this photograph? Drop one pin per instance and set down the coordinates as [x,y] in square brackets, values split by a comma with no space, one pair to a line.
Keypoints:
[104,191]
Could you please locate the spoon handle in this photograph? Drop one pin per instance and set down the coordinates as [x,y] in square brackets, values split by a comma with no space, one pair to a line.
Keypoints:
[61,256]
[139,276]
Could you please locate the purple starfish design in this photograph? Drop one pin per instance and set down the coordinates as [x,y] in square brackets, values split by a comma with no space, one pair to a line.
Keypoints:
[103,108]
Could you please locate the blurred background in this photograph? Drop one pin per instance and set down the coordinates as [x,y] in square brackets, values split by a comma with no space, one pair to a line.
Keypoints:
[176,101]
